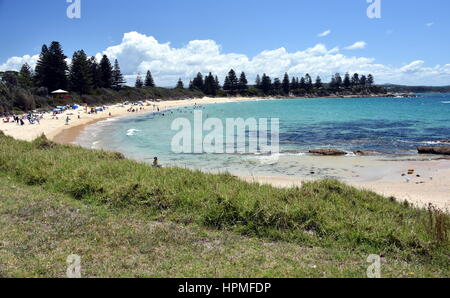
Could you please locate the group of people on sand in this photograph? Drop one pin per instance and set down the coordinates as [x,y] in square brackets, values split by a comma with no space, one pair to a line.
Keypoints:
[21,120]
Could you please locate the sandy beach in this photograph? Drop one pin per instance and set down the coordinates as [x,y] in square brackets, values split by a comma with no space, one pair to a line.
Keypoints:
[430,182]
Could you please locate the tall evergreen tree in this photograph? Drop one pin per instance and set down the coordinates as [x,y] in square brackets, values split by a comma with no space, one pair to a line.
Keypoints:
[227,84]
[258,82]
[216,79]
[318,84]
[370,80]
[80,73]
[106,73]
[180,84]
[51,69]
[355,80]
[25,78]
[233,81]
[308,82]
[338,80]
[149,82]
[139,84]
[294,83]
[347,81]
[243,83]
[95,73]
[286,84]
[209,87]
[302,83]
[117,76]
[198,82]
[266,84]
[363,81]
[277,85]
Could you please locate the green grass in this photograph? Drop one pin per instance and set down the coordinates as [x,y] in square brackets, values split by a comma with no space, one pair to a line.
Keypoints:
[127,219]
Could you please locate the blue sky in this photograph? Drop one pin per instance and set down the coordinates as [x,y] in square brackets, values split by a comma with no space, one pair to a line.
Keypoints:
[412,34]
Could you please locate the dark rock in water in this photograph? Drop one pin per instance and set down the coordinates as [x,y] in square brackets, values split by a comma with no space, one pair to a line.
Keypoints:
[442,150]
[444,141]
[328,152]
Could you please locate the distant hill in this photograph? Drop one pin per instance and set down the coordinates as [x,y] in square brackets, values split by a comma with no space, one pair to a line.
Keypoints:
[415,89]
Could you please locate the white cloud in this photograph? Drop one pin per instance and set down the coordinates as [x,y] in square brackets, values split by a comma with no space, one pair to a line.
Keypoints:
[325,33]
[15,63]
[139,53]
[429,24]
[359,45]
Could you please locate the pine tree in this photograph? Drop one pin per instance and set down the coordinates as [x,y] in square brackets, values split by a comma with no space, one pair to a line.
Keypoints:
[80,73]
[318,83]
[149,82]
[302,84]
[266,84]
[347,81]
[338,80]
[216,79]
[180,84]
[363,81]
[227,84]
[355,80]
[139,84]
[95,73]
[294,83]
[106,73]
[286,84]
[243,82]
[25,78]
[117,76]
[51,69]
[308,82]
[258,82]
[210,87]
[198,82]
[233,80]
[277,85]
[370,80]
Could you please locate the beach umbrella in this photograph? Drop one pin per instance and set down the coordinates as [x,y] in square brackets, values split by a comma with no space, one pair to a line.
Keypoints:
[60,91]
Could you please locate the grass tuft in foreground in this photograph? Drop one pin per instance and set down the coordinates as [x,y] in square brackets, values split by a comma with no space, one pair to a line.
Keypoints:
[324,214]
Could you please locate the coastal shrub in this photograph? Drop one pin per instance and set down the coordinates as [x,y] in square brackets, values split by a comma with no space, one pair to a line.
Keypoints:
[325,213]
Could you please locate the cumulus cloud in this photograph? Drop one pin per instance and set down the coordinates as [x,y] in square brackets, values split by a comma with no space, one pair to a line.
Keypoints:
[325,33]
[359,45]
[138,53]
[15,63]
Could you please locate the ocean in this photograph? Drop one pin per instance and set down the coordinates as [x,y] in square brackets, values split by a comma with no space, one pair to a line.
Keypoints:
[392,127]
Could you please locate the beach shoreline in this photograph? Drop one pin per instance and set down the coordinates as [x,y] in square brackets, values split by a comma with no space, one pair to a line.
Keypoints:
[432,186]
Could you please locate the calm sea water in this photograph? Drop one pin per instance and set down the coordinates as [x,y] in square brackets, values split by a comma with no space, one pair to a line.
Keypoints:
[385,125]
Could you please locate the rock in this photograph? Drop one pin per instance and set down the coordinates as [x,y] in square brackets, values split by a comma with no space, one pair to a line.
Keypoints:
[444,141]
[328,152]
[442,150]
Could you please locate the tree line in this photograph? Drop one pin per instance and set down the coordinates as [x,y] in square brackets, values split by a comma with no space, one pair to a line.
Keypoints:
[264,84]
[83,75]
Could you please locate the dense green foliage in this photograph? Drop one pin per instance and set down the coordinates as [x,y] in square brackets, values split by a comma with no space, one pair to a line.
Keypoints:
[324,213]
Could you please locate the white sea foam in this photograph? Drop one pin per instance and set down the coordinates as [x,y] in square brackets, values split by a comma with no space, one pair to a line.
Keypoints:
[445,101]
[132,132]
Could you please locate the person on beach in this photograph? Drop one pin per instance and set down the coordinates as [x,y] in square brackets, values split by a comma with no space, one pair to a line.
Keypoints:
[67,120]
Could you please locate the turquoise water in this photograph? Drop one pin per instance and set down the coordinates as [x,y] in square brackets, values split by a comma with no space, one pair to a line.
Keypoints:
[385,125]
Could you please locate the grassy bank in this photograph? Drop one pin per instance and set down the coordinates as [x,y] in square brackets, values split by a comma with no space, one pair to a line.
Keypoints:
[119,211]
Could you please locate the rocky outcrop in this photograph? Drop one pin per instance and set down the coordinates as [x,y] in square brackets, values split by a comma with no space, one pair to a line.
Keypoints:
[328,152]
[442,150]
[444,141]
